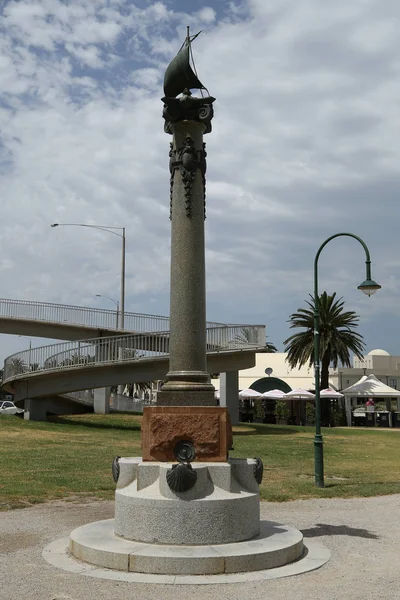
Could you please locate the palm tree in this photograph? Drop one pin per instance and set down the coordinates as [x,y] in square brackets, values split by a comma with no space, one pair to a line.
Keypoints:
[269,348]
[338,339]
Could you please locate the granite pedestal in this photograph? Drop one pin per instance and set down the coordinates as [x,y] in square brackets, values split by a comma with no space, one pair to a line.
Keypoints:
[212,528]
[223,506]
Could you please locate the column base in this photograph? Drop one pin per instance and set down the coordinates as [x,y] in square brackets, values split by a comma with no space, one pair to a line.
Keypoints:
[184,397]
[222,506]
[213,528]
[187,388]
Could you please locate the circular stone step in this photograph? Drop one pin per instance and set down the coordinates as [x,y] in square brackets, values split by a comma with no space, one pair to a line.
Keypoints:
[275,546]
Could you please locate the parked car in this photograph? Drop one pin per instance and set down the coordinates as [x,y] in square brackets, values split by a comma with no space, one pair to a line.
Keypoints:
[8,408]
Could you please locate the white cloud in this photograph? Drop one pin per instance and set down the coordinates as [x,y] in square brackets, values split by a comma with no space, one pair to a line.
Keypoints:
[207,14]
[304,144]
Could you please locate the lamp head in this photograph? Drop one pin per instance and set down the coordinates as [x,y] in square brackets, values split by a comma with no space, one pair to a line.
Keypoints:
[54,225]
[369,287]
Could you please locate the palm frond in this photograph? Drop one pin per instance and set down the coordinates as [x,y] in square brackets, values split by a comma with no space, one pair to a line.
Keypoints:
[338,338]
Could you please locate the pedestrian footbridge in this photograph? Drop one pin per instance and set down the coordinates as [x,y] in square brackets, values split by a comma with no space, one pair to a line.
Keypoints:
[141,353]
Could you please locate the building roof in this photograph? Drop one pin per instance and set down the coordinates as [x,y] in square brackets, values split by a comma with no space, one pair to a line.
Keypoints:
[266,384]
[378,352]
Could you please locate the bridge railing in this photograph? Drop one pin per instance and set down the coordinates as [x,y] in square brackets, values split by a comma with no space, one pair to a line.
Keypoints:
[118,402]
[84,316]
[135,347]
[79,315]
[83,396]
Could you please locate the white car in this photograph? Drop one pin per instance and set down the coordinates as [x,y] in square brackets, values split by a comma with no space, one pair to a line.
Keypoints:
[8,408]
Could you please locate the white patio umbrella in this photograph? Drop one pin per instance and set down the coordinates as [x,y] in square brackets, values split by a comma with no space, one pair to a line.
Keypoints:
[274,395]
[249,394]
[330,393]
[299,394]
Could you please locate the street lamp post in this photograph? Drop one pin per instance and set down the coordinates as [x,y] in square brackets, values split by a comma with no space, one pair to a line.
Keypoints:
[116,304]
[113,230]
[368,287]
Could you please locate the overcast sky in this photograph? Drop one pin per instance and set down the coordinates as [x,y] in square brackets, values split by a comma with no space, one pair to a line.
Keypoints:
[305,144]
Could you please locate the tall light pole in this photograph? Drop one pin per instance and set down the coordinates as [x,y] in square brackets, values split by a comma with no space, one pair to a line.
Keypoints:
[114,231]
[116,304]
[368,287]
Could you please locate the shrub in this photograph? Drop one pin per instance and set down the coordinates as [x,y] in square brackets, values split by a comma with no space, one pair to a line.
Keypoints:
[282,411]
[259,412]
[338,415]
[310,413]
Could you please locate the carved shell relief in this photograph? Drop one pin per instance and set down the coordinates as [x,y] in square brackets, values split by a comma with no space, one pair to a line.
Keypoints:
[115,468]
[181,477]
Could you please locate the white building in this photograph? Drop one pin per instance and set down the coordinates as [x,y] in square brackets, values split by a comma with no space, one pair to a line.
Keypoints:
[272,371]
[377,362]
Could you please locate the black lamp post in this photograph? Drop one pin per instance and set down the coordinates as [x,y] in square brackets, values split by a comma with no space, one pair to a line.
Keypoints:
[368,287]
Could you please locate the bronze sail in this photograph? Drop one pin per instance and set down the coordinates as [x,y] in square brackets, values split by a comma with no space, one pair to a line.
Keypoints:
[179,74]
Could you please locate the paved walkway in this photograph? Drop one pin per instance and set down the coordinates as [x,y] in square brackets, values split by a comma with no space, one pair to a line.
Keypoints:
[363,535]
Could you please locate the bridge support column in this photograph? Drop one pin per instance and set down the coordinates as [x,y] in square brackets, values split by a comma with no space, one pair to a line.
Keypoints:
[35,409]
[101,401]
[229,394]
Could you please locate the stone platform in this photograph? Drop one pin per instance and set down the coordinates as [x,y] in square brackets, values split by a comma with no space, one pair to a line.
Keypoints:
[97,544]
[222,506]
[212,528]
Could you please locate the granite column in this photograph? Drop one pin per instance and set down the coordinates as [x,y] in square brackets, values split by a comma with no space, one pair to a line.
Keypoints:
[187,382]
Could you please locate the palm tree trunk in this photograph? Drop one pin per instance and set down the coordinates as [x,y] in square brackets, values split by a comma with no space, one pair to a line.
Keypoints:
[325,402]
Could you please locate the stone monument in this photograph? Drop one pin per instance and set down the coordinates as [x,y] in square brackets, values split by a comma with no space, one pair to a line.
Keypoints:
[185,507]
[187,408]
[186,437]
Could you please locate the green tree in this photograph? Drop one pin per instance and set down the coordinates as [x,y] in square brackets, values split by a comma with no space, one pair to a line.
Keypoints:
[338,339]
[16,366]
[249,336]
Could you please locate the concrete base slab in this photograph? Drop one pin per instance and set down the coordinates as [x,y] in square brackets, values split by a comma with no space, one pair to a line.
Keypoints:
[314,556]
[97,544]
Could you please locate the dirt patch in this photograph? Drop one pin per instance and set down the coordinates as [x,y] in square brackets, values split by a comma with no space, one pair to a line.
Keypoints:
[33,434]
[240,430]
[83,499]
[13,542]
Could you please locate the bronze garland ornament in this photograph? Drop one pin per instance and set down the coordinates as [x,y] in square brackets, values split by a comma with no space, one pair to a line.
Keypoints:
[187,160]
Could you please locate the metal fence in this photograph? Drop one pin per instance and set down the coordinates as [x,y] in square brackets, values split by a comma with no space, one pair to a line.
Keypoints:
[84,316]
[79,315]
[118,402]
[135,347]
[83,396]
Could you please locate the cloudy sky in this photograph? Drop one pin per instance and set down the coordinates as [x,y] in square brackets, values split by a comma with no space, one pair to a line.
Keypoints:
[305,144]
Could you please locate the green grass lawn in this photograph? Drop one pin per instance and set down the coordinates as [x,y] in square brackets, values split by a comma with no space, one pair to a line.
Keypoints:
[71,458]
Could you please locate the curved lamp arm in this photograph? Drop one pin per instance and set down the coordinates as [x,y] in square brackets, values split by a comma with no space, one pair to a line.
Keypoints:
[368,287]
